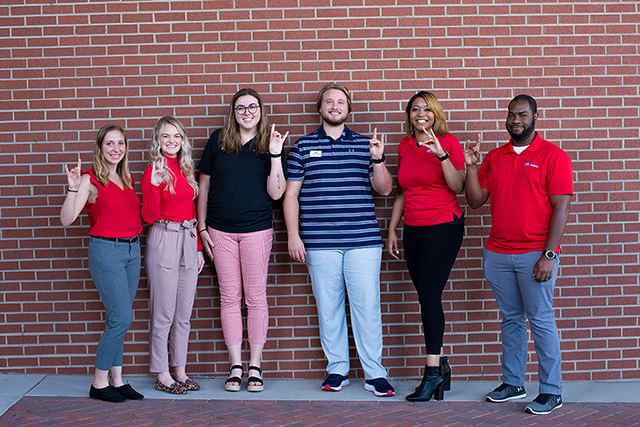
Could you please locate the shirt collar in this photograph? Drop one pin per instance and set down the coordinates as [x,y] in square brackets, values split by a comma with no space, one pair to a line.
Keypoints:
[534,146]
[347,134]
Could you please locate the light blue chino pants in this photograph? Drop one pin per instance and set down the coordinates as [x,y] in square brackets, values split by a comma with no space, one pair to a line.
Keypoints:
[519,295]
[356,273]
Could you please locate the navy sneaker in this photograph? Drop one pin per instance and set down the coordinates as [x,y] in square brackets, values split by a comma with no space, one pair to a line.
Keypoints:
[335,382]
[380,387]
[544,404]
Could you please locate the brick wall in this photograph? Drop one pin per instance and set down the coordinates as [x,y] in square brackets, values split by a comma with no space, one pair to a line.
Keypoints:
[68,68]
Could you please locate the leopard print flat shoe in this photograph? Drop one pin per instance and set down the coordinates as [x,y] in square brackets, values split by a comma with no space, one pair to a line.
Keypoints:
[175,388]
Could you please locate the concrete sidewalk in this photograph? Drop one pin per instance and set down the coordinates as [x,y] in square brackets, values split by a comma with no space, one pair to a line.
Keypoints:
[42,399]
[14,386]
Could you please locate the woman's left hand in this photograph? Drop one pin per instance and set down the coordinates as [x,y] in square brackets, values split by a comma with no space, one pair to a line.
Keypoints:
[432,142]
[200,261]
[277,140]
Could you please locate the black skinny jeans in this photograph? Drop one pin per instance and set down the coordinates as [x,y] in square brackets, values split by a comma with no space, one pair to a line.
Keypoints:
[430,252]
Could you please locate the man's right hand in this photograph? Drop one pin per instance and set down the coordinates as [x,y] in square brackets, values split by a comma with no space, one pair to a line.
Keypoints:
[296,249]
[472,152]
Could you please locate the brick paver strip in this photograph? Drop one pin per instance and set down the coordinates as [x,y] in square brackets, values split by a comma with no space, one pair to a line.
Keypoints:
[76,411]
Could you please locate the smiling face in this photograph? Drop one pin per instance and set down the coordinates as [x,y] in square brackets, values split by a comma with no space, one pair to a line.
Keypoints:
[114,147]
[249,116]
[421,116]
[170,141]
[334,108]
[521,122]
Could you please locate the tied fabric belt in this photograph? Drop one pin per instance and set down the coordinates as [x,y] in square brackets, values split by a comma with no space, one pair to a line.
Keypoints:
[189,242]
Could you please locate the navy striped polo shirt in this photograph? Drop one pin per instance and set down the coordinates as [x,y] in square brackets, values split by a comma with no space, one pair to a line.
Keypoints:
[336,204]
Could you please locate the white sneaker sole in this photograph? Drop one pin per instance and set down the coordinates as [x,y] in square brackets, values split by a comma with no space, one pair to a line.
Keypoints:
[327,387]
[506,399]
[373,390]
[531,411]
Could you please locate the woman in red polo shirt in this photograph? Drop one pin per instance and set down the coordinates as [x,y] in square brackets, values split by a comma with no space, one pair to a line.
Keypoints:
[106,192]
[430,175]
[173,252]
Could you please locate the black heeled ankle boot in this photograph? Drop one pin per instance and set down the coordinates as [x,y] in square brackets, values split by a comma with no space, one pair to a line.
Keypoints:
[431,386]
[445,371]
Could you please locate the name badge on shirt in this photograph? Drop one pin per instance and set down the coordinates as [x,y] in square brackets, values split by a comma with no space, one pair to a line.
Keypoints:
[315,153]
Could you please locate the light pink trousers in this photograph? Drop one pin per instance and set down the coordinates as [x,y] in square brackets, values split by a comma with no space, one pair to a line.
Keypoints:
[171,262]
[242,262]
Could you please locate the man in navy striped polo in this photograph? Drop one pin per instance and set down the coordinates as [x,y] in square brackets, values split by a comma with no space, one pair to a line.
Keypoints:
[331,225]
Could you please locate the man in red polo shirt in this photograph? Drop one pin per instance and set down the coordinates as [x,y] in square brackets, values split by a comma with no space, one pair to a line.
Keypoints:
[530,182]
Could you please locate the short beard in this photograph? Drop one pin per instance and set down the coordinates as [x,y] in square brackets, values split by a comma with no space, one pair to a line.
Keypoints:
[328,120]
[525,134]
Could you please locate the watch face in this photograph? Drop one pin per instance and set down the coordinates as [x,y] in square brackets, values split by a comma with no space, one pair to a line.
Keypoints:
[549,254]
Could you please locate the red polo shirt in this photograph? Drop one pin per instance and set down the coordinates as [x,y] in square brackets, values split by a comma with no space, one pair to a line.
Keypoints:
[519,189]
[428,200]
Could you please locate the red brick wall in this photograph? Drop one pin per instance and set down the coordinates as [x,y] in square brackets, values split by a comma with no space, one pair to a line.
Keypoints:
[68,68]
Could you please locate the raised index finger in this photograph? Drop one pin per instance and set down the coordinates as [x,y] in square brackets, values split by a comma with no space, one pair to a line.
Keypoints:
[375,133]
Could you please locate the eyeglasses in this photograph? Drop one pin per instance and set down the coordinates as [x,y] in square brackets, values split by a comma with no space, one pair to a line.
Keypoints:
[252,108]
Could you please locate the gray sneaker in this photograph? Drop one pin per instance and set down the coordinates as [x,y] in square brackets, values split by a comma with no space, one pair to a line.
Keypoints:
[544,404]
[505,392]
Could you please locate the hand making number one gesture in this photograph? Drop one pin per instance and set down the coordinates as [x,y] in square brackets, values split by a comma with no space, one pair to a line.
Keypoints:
[376,146]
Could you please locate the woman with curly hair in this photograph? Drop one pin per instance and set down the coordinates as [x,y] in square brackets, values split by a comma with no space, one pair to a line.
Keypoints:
[173,255]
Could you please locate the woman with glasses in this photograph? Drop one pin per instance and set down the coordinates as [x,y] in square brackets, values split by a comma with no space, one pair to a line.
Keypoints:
[430,175]
[241,173]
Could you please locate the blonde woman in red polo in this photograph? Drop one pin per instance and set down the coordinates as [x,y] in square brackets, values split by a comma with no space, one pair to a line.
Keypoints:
[173,257]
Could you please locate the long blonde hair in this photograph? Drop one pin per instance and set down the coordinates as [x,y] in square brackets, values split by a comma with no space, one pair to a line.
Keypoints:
[440,121]
[100,167]
[229,139]
[184,155]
